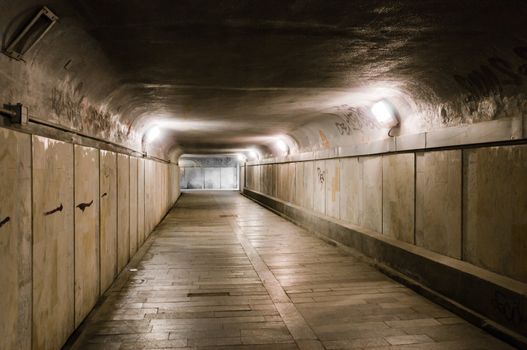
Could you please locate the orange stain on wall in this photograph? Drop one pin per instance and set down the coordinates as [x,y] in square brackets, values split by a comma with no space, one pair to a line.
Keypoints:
[324,139]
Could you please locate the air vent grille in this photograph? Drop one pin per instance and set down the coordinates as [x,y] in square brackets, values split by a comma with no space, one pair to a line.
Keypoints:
[31,34]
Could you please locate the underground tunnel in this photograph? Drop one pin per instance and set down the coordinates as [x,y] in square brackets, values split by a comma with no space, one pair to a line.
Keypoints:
[264,175]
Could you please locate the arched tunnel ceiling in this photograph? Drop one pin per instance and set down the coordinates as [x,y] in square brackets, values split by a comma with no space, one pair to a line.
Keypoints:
[226,75]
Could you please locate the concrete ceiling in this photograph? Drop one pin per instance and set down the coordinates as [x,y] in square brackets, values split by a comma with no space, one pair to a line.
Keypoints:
[225,75]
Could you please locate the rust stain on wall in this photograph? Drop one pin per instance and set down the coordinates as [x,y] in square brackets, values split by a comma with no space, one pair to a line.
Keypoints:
[335,184]
[324,139]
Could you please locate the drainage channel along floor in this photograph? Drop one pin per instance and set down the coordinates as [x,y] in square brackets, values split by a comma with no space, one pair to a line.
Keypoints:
[222,272]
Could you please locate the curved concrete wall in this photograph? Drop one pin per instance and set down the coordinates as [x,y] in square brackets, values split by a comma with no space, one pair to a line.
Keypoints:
[92,89]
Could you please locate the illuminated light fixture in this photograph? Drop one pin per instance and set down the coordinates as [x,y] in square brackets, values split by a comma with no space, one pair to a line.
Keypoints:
[152,134]
[241,157]
[282,146]
[385,114]
[254,154]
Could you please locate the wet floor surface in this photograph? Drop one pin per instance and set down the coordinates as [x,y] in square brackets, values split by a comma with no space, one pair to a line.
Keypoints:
[221,272]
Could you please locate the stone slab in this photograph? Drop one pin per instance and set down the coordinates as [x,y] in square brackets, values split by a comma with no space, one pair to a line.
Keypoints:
[108,218]
[398,192]
[53,243]
[87,282]
[438,202]
[141,201]
[15,240]
[333,188]
[350,190]
[371,214]
[495,209]
[123,211]
[133,206]
[320,179]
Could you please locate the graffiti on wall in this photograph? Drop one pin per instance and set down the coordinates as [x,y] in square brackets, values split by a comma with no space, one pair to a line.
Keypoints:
[72,108]
[53,211]
[511,308]
[83,206]
[5,221]
[343,128]
[321,175]
[352,119]
[68,103]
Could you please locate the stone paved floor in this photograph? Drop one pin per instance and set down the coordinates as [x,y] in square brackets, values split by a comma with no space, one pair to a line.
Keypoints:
[221,272]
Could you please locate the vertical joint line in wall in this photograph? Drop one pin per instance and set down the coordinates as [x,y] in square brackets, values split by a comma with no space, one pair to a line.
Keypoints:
[99,218]
[144,201]
[139,244]
[116,271]
[415,198]
[74,236]
[32,240]
[382,194]
[293,195]
[129,209]
[462,233]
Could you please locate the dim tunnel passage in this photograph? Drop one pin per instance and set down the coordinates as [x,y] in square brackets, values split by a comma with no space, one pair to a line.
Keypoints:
[222,272]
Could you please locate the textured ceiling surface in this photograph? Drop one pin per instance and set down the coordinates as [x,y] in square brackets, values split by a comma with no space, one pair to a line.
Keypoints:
[225,75]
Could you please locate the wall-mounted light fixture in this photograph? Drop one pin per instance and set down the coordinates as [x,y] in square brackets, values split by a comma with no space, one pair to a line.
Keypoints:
[254,154]
[241,157]
[385,114]
[152,134]
[31,34]
[282,146]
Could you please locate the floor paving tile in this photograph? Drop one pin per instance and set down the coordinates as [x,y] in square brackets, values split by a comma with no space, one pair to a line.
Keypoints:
[221,272]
